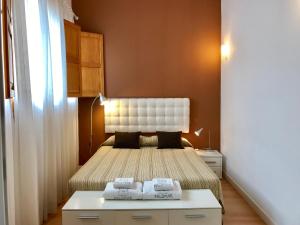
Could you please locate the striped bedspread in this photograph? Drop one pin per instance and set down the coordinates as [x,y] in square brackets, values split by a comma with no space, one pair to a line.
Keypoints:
[144,164]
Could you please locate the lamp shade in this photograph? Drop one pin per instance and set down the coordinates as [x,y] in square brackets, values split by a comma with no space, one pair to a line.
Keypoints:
[198,131]
[102,99]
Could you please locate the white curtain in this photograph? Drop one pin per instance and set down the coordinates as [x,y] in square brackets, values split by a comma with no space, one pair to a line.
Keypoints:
[43,129]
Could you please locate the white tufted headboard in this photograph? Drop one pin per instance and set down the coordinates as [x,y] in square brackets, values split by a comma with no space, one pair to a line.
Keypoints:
[147,114]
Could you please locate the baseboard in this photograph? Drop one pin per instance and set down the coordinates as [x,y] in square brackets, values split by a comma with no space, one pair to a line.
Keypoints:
[257,208]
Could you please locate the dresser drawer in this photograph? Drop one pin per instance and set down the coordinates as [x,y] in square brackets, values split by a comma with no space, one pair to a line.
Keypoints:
[87,218]
[213,161]
[155,217]
[195,217]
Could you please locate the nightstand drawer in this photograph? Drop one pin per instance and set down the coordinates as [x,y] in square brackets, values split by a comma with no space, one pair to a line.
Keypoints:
[213,161]
[217,171]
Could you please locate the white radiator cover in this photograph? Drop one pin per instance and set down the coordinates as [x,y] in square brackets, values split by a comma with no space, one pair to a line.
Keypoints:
[147,115]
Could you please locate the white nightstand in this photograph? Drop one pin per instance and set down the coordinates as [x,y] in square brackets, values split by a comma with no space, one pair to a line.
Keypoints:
[213,159]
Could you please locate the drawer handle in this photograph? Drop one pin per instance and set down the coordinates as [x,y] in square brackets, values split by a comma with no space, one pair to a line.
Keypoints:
[211,162]
[89,217]
[195,216]
[142,217]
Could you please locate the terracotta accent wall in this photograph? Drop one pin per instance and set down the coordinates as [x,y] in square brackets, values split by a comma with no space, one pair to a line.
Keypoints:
[157,48]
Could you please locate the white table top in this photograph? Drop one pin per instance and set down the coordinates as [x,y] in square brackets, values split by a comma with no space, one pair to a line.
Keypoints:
[209,153]
[93,200]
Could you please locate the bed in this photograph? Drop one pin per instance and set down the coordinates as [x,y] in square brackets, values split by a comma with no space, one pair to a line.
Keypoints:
[146,115]
[144,164]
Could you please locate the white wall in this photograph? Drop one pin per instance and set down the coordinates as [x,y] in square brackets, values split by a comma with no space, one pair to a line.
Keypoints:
[261,103]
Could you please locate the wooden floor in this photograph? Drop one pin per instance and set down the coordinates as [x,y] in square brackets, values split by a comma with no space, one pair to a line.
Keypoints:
[238,212]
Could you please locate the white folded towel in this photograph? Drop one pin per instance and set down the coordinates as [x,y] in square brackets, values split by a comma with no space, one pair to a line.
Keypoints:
[112,193]
[150,193]
[163,184]
[124,183]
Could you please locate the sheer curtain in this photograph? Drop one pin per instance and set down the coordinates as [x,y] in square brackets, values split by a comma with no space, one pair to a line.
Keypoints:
[44,130]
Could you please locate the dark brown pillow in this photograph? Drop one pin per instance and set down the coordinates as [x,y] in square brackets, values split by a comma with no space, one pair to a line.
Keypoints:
[127,140]
[169,139]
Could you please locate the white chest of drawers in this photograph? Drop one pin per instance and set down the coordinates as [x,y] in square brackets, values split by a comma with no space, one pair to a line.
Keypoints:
[197,207]
[213,159]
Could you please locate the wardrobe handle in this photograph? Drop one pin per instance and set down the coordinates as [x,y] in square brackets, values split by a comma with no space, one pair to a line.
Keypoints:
[195,216]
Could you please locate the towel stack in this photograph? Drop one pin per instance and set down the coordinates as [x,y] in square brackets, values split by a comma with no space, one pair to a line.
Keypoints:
[124,183]
[123,189]
[162,188]
[163,184]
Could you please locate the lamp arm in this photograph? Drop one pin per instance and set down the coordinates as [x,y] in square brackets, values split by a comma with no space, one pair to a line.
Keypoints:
[91,125]
[209,141]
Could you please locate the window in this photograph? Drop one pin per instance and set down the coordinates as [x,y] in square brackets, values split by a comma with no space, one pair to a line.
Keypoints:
[44,38]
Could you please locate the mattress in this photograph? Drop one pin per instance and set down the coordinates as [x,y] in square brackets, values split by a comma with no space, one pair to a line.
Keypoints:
[144,164]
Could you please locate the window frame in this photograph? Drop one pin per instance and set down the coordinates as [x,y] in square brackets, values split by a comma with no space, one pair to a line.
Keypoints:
[7,48]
